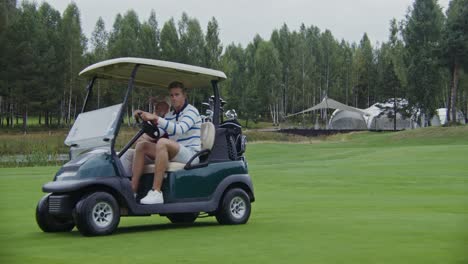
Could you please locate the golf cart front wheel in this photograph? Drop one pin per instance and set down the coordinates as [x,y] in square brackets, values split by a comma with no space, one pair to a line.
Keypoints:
[97,214]
[182,218]
[235,208]
[50,223]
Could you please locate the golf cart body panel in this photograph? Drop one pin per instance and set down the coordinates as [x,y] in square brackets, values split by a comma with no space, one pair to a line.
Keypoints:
[194,184]
[96,163]
[208,204]
[80,185]
[202,182]
[65,194]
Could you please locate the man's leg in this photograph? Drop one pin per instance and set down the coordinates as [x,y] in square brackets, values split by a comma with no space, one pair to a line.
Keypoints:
[165,150]
[127,161]
[142,149]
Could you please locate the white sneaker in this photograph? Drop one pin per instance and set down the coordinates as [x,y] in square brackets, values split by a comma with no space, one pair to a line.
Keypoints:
[153,197]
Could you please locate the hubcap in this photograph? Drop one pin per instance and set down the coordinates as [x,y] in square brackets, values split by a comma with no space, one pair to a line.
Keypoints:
[102,214]
[237,207]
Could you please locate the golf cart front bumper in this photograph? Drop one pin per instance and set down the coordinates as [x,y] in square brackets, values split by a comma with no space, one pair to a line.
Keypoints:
[64,194]
[61,205]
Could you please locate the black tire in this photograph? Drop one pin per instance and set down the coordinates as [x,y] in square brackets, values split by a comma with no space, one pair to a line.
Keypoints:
[182,218]
[97,214]
[234,208]
[50,223]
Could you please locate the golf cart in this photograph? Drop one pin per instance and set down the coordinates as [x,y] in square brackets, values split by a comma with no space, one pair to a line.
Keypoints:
[92,190]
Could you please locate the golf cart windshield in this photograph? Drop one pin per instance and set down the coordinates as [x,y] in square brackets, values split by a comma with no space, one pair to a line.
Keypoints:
[94,128]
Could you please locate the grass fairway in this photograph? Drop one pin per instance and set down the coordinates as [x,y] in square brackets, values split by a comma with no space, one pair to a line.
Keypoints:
[361,198]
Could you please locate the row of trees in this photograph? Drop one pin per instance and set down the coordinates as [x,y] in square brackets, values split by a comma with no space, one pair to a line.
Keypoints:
[41,53]
[423,60]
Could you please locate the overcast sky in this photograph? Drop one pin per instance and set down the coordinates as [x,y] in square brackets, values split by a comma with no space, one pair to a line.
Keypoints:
[240,20]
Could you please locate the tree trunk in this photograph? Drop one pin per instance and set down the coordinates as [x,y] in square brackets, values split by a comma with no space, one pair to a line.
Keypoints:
[74,111]
[449,102]
[466,106]
[454,91]
[394,109]
[1,111]
[69,104]
[60,112]
[71,90]
[98,94]
[16,116]
[347,86]
[25,121]
[129,115]
[9,116]
[277,113]
[46,118]
[272,113]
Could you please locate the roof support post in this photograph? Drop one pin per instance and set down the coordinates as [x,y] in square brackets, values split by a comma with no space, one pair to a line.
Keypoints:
[89,93]
[217,103]
[124,105]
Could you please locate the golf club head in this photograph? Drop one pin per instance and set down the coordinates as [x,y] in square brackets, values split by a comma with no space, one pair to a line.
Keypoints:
[231,114]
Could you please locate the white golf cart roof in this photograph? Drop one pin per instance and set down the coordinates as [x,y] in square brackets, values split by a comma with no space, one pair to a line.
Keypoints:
[155,73]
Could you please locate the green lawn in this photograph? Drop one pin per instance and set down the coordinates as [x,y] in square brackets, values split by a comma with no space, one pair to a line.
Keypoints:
[360,198]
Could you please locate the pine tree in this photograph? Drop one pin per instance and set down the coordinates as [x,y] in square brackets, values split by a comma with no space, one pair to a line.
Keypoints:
[170,43]
[124,38]
[422,36]
[74,46]
[364,64]
[213,47]
[99,40]
[456,48]
[150,38]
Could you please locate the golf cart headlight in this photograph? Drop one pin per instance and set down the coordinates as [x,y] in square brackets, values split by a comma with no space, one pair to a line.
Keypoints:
[66,174]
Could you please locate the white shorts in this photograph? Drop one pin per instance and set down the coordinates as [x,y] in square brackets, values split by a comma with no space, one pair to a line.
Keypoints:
[184,155]
[127,161]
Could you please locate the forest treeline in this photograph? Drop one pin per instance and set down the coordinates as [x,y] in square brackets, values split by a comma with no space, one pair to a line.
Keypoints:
[424,60]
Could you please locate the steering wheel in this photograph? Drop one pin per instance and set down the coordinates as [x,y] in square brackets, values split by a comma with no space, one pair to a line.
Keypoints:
[147,127]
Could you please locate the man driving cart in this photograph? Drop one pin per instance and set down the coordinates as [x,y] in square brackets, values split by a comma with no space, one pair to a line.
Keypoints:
[182,125]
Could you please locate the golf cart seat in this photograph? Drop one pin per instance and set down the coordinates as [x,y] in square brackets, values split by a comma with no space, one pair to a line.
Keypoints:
[207,138]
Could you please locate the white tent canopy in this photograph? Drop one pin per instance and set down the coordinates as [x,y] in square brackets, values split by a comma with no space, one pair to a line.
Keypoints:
[440,118]
[330,103]
[347,120]
[378,115]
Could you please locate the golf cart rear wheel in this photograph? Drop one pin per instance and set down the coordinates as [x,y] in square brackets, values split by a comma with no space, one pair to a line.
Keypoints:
[48,222]
[97,214]
[234,208]
[182,218]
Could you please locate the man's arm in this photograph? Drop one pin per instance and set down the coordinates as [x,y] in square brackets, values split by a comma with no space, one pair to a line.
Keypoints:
[153,118]
[190,119]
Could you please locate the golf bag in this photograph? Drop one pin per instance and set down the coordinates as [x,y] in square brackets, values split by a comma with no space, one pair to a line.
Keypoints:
[236,141]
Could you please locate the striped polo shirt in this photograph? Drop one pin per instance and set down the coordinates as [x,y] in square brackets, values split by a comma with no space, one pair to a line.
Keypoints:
[183,126]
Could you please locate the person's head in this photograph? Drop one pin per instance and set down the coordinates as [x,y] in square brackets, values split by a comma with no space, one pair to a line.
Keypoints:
[161,108]
[160,105]
[178,95]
